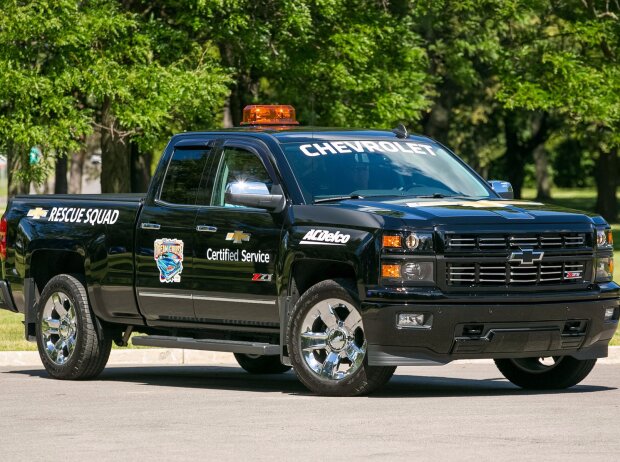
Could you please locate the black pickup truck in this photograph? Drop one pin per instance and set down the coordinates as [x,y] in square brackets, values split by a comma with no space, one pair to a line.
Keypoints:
[341,253]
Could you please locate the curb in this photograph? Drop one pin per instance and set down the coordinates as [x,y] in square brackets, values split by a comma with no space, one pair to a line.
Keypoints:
[151,356]
[173,356]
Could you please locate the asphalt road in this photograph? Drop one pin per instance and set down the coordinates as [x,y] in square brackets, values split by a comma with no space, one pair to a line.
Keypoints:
[454,412]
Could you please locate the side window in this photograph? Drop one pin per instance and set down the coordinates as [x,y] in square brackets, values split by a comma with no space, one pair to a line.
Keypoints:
[182,179]
[237,165]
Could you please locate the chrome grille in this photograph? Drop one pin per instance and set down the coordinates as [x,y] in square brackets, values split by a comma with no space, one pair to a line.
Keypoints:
[467,242]
[510,274]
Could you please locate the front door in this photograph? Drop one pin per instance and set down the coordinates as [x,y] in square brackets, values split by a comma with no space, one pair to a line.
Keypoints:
[164,241]
[236,247]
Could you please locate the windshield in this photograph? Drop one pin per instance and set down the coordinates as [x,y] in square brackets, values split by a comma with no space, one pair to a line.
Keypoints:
[336,169]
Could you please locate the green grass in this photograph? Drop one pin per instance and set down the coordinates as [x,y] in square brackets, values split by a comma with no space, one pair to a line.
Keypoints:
[12,329]
[12,333]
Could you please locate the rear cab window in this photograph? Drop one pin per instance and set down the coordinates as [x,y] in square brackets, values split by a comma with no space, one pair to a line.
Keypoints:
[182,179]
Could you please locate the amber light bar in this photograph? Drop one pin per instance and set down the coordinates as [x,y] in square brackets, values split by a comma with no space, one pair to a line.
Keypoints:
[269,114]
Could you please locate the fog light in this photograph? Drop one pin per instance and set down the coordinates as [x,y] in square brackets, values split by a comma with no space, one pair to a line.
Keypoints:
[415,320]
[610,314]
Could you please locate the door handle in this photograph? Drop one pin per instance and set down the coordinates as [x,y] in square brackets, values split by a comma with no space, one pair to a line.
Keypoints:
[206,229]
[150,226]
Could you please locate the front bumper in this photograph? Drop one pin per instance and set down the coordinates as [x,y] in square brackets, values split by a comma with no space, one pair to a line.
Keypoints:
[6,300]
[490,330]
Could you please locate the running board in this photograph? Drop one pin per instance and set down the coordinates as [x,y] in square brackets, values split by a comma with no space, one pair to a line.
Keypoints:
[231,346]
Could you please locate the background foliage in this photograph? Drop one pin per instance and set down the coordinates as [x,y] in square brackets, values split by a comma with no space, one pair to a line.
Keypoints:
[527,90]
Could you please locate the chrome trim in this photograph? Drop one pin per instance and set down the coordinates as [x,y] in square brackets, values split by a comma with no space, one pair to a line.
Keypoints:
[235,300]
[164,295]
[492,274]
[200,297]
[206,229]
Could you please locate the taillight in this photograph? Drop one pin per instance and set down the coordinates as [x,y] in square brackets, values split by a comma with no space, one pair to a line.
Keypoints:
[3,228]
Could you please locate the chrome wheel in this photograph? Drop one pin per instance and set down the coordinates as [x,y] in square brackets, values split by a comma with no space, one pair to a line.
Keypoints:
[332,339]
[538,365]
[59,328]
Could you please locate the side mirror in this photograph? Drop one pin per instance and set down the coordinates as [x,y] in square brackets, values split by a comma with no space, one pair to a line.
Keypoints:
[255,194]
[503,188]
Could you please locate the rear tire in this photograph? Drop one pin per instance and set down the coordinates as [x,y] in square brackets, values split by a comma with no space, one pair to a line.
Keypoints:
[259,364]
[71,344]
[327,343]
[534,374]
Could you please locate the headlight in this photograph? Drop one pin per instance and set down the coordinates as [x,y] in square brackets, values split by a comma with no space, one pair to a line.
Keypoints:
[415,241]
[604,269]
[604,238]
[408,271]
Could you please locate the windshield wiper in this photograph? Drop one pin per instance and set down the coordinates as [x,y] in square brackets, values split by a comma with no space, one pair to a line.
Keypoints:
[338,198]
[438,196]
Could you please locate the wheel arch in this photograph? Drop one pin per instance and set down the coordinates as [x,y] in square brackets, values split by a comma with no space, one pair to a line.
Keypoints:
[43,265]
[307,272]
[303,274]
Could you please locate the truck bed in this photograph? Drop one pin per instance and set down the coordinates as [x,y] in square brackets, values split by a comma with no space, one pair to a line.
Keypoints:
[95,231]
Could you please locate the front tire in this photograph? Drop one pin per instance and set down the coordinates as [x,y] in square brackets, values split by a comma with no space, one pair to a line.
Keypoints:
[71,345]
[261,364]
[327,343]
[545,373]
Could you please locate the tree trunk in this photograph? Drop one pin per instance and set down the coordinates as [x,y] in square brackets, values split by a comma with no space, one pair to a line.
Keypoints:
[519,151]
[514,157]
[15,162]
[606,184]
[140,169]
[115,155]
[543,179]
[60,181]
[77,171]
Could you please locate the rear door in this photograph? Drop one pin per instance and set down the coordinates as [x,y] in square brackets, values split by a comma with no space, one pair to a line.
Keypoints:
[236,247]
[164,237]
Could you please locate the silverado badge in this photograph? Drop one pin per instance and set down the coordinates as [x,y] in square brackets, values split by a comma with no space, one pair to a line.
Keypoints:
[168,255]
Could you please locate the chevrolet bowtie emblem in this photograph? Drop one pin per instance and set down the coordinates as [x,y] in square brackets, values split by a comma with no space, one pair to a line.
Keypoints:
[237,237]
[37,213]
[526,256]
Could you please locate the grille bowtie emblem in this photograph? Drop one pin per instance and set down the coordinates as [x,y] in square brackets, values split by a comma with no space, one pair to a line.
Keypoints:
[527,256]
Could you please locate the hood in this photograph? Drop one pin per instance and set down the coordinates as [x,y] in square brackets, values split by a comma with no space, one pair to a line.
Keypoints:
[469,211]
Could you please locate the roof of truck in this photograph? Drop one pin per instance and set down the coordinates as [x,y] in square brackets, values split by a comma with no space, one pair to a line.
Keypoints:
[296,134]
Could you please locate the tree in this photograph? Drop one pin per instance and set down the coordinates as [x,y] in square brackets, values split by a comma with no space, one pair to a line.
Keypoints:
[68,68]
[37,107]
[572,71]
[339,62]
[467,44]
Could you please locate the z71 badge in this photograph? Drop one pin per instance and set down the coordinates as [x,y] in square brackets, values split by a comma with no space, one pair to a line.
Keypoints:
[259,277]
[168,255]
